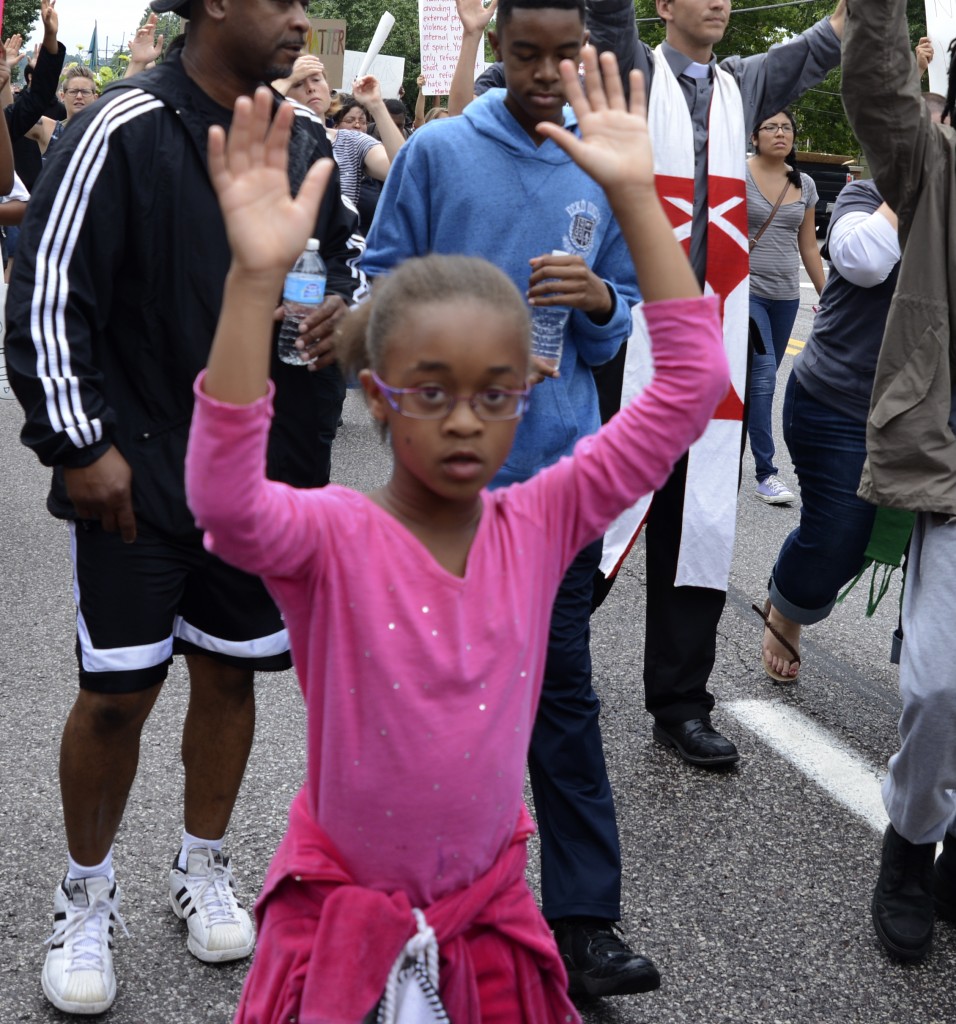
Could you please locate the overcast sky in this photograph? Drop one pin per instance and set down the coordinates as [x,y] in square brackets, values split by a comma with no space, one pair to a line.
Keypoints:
[113,18]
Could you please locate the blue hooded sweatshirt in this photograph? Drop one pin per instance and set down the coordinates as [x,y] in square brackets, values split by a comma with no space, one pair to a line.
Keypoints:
[477,185]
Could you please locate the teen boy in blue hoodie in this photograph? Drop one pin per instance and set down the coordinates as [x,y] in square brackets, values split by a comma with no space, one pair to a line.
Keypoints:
[537,200]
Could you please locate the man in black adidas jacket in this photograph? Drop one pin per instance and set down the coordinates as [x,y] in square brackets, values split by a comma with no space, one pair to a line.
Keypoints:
[112,308]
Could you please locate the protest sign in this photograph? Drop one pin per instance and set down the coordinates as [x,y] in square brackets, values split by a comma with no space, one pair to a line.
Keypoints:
[326,39]
[390,71]
[941,29]
[440,30]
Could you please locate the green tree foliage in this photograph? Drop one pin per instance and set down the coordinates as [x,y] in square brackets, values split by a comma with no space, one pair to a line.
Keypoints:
[20,16]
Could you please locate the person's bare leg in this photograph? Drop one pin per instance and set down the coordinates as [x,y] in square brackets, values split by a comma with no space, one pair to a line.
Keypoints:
[775,654]
[217,738]
[99,753]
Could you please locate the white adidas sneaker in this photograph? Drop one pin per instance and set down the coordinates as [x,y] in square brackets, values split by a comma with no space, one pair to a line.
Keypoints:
[78,973]
[204,896]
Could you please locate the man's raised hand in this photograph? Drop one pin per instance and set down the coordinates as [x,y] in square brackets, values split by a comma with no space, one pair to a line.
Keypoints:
[267,228]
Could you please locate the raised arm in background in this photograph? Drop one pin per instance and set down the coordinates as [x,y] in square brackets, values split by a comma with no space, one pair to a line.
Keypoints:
[14,54]
[369,93]
[144,48]
[881,93]
[33,103]
[419,116]
[474,20]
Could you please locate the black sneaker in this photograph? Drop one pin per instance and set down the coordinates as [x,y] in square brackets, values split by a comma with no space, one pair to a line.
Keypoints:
[944,880]
[902,906]
[599,962]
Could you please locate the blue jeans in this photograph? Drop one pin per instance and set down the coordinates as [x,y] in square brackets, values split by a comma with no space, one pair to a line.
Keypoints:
[574,806]
[774,319]
[826,550]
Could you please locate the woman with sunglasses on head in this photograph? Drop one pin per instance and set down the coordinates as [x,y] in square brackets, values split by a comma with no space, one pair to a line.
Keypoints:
[781,205]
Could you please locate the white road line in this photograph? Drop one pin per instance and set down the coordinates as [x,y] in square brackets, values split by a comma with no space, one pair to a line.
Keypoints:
[829,762]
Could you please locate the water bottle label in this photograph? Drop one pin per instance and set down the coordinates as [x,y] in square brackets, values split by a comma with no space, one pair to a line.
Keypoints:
[304,289]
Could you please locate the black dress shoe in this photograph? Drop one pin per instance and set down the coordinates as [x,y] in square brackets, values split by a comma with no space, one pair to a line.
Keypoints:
[697,742]
[599,962]
[902,904]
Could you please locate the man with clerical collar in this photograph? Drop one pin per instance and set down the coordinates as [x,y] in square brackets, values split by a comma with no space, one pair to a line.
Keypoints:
[700,114]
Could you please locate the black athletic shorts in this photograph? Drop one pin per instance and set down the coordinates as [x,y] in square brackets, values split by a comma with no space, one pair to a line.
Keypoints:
[139,604]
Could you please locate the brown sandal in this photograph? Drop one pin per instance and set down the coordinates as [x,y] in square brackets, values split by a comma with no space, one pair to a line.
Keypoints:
[764,613]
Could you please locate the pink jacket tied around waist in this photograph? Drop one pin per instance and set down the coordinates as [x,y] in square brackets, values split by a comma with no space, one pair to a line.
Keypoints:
[326,945]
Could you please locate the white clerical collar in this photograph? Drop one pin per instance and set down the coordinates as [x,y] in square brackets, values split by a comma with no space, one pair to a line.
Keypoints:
[695,70]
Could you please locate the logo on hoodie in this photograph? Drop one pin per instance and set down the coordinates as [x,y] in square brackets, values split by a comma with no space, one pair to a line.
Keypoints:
[585,218]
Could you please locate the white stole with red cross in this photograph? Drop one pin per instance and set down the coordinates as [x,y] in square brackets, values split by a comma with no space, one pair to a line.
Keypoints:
[710,498]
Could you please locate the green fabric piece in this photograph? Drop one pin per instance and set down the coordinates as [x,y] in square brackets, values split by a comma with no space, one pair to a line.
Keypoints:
[892,529]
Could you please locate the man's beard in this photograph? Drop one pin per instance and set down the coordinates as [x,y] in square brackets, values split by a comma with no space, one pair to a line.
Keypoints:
[276,71]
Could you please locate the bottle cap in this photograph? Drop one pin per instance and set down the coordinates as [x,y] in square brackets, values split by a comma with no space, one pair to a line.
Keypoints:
[312,245]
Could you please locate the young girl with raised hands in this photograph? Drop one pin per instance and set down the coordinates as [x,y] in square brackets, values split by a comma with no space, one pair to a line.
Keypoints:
[418,614]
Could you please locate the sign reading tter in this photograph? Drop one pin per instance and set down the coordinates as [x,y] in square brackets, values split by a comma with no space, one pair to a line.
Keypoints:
[326,39]
[440,30]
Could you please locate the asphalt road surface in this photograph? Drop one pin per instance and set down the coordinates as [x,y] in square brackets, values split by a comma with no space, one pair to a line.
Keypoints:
[749,888]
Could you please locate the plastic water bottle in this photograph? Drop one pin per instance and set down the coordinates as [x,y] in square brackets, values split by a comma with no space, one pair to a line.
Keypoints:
[303,292]
[547,329]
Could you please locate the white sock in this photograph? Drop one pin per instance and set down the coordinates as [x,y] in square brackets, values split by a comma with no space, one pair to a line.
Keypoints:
[76,871]
[190,841]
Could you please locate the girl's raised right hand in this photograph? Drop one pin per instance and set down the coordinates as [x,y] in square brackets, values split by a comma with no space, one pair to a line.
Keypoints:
[615,145]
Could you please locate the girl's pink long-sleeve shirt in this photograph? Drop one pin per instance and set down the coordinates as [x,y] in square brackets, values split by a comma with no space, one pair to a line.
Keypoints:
[421,686]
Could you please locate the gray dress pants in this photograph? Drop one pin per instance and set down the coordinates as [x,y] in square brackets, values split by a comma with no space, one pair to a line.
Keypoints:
[919,789]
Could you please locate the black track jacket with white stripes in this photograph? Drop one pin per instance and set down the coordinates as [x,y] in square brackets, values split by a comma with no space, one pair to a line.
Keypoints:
[117,287]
